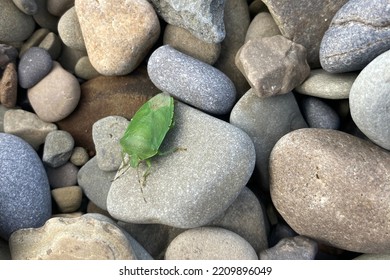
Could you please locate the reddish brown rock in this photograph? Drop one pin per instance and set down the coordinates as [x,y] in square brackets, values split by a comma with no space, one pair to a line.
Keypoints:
[107,96]
[9,86]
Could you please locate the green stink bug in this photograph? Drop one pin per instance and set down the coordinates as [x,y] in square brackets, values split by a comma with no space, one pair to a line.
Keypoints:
[146,131]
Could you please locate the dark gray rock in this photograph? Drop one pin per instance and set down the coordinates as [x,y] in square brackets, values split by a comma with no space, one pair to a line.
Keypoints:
[318,114]
[34,65]
[24,187]
[291,248]
[58,148]
[203,18]
[358,33]
[29,7]
[63,176]
[7,54]
[369,100]
[191,81]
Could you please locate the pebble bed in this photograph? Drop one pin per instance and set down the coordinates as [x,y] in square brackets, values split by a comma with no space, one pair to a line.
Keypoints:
[282,117]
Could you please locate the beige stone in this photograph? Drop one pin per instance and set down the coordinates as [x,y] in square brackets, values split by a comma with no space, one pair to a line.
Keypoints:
[68,199]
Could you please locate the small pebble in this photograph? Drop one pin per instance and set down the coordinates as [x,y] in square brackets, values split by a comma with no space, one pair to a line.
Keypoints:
[67,199]
[79,156]
[29,7]
[69,30]
[63,176]
[9,86]
[58,148]
[85,70]
[191,80]
[318,114]
[34,65]
[263,25]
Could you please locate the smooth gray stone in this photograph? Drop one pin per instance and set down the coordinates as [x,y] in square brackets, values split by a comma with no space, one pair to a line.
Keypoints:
[291,248]
[369,101]
[58,148]
[34,65]
[106,134]
[95,182]
[29,7]
[192,186]
[203,18]
[70,31]
[191,81]
[266,120]
[63,176]
[318,114]
[359,32]
[24,187]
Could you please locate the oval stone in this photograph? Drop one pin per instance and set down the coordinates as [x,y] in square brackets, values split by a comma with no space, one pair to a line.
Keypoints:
[333,187]
[189,187]
[24,187]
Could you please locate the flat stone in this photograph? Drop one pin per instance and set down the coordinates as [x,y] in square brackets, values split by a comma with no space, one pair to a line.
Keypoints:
[117,35]
[79,156]
[203,18]
[82,238]
[209,243]
[236,20]
[95,182]
[24,187]
[246,218]
[68,199]
[29,7]
[318,114]
[70,31]
[15,26]
[273,65]
[106,134]
[266,120]
[58,148]
[7,54]
[58,8]
[191,81]
[305,22]
[333,187]
[9,86]
[182,40]
[27,126]
[107,96]
[226,164]
[291,248]
[63,176]
[56,95]
[327,85]
[369,101]
[34,65]
[358,33]
[262,25]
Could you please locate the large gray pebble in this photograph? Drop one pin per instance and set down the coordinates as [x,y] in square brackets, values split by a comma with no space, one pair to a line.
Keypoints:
[369,101]
[266,120]
[203,18]
[358,33]
[333,187]
[191,81]
[34,65]
[106,134]
[24,187]
[58,148]
[191,187]
[95,182]
[209,243]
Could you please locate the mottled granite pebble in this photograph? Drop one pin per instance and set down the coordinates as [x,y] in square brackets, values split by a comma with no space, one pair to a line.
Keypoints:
[209,243]
[369,100]
[34,65]
[291,248]
[58,148]
[359,32]
[191,80]
[27,126]
[117,35]
[273,65]
[333,187]
[24,187]
[203,18]
[319,114]
[82,238]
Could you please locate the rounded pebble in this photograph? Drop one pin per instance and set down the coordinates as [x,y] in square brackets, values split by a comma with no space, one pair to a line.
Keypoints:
[191,81]
[58,148]
[67,199]
[85,70]
[70,31]
[209,243]
[24,187]
[369,101]
[7,54]
[58,8]
[79,156]
[318,114]
[29,7]
[63,176]
[263,25]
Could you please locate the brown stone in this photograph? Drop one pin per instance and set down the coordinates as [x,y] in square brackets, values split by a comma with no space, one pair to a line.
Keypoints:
[273,65]
[9,86]
[107,96]
[334,188]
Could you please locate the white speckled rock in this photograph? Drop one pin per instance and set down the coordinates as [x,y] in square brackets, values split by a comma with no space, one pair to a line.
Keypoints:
[191,187]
